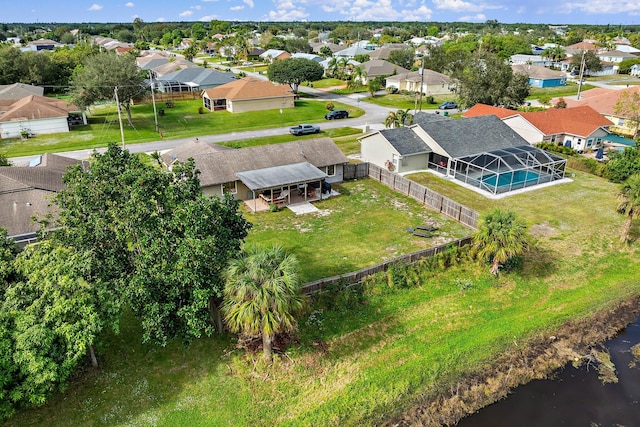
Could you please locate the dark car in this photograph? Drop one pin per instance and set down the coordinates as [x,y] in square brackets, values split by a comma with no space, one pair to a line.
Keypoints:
[449,105]
[337,114]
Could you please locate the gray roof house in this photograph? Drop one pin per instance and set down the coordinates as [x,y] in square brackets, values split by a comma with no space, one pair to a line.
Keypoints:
[485,155]
[249,172]
[432,82]
[380,68]
[17,91]
[192,79]
[25,192]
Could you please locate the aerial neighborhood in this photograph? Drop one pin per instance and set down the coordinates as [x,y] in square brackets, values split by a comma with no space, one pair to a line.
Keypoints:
[311,223]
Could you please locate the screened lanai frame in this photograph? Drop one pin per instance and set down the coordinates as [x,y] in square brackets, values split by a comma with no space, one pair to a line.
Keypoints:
[508,169]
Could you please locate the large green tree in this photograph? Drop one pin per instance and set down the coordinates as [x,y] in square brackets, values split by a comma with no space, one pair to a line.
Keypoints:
[404,57]
[262,294]
[592,63]
[294,71]
[629,202]
[501,236]
[99,77]
[628,106]
[490,80]
[622,165]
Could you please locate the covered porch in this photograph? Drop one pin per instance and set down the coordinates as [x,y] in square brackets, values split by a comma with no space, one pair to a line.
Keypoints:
[283,185]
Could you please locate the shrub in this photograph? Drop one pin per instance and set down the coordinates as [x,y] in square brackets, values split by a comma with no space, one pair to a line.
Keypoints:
[201,110]
[430,100]
[392,90]
[330,106]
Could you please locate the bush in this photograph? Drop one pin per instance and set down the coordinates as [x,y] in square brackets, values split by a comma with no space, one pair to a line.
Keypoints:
[330,106]
[557,148]
[392,90]
[201,110]
[430,100]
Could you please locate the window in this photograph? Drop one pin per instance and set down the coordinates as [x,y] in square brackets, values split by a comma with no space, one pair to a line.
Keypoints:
[330,170]
[229,187]
[395,161]
[589,143]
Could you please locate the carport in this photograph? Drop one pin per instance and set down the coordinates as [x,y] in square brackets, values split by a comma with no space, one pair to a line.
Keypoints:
[275,184]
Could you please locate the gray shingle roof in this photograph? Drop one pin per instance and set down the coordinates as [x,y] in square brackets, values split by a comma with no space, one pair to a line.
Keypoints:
[471,135]
[280,176]
[200,76]
[405,141]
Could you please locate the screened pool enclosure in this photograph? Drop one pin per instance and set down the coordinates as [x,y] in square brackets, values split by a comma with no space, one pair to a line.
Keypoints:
[508,169]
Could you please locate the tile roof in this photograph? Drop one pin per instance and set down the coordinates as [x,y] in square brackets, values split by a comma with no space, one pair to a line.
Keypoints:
[220,167]
[602,100]
[580,121]
[485,110]
[405,141]
[249,88]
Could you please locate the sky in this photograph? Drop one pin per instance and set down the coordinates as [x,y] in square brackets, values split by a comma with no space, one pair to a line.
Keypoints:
[599,12]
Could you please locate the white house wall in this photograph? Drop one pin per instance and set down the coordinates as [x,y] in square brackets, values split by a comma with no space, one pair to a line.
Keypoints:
[12,129]
[376,149]
[525,129]
[245,105]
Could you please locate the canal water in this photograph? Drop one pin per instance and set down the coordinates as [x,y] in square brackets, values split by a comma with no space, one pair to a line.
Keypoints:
[575,396]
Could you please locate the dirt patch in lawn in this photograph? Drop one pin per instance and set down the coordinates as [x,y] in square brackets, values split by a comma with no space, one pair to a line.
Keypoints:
[538,358]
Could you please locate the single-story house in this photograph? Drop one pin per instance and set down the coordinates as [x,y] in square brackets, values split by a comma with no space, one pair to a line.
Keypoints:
[310,56]
[193,80]
[380,68]
[41,44]
[351,52]
[26,191]
[16,91]
[168,67]
[580,128]
[522,59]
[270,55]
[604,101]
[248,94]
[383,52]
[432,82]
[267,169]
[35,115]
[482,153]
[540,76]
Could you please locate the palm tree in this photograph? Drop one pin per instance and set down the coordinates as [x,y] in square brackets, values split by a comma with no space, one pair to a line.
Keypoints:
[400,118]
[500,236]
[629,197]
[391,120]
[262,294]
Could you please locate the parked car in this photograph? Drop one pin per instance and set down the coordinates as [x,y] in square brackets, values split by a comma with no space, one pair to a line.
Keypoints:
[304,129]
[337,114]
[449,105]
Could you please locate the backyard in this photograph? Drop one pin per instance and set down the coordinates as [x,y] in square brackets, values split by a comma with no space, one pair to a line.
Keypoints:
[359,361]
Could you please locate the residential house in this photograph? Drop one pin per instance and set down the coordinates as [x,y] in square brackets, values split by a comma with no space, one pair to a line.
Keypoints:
[271,55]
[192,80]
[540,76]
[41,44]
[309,56]
[171,67]
[604,101]
[635,70]
[580,128]
[26,191]
[429,82]
[351,52]
[34,115]
[519,59]
[384,51]
[317,46]
[267,169]
[380,68]
[482,153]
[248,94]
[16,91]
[254,54]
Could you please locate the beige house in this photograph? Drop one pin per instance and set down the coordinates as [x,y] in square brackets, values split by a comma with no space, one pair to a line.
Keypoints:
[248,94]
[249,172]
[431,82]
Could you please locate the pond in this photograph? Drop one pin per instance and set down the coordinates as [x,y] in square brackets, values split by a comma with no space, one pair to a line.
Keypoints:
[575,396]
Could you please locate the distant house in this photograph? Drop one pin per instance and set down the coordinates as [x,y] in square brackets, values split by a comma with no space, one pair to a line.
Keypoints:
[383,52]
[248,172]
[635,70]
[248,94]
[309,56]
[270,55]
[34,115]
[380,68]
[482,153]
[432,82]
[167,67]
[192,80]
[26,191]
[528,60]
[41,44]
[351,52]
[16,91]
[541,76]
[580,128]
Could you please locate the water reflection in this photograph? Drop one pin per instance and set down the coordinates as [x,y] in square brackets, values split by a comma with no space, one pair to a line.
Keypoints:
[576,397]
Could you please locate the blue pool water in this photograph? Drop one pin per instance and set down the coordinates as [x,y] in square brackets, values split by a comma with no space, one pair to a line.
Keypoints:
[515,179]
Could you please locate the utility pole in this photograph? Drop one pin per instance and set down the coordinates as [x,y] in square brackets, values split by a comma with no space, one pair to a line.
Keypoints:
[421,80]
[119,116]
[153,99]
[581,74]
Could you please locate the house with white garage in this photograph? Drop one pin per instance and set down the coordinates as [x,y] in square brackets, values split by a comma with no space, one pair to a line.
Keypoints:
[428,82]
[35,115]
[248,94]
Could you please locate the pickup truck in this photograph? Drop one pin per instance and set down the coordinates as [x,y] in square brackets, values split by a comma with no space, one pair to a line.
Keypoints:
[304,129]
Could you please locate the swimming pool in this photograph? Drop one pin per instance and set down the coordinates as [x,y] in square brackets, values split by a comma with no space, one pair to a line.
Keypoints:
[506,180]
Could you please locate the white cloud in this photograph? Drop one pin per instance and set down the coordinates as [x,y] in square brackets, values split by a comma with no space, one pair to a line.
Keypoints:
[457,5]
[129,4]
[422,13]
[186,13]
[235,8]
[161,20]
[208,18]
[475,18]
[248,3]
[288,15]
[196,7]
[631,7]
[96,6]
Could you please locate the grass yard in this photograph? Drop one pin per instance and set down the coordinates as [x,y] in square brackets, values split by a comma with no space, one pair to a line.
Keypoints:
[182,121]
[408,102]
[553,92]
[359,362]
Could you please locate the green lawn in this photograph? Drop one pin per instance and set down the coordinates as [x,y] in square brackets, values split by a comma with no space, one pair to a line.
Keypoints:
[182,121]
[408,102]
[358,363]
[553,92]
